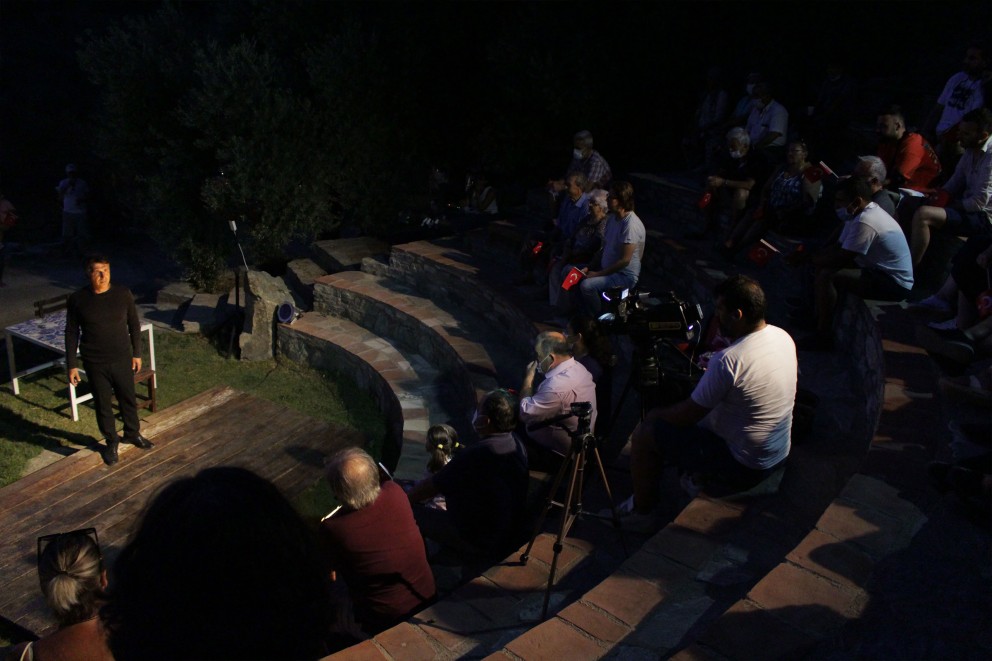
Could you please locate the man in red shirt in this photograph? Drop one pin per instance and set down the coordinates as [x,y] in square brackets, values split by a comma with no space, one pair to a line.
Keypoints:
[374,542]
[910,160]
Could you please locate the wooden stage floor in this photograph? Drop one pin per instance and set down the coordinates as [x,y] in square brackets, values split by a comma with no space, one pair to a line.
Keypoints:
[218,427]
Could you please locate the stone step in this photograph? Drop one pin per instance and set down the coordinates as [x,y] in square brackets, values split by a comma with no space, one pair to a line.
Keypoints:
[413,321]
[377,366]
[336,255]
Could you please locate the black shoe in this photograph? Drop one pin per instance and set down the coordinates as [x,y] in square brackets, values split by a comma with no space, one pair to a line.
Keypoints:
[110,456]
[140,441]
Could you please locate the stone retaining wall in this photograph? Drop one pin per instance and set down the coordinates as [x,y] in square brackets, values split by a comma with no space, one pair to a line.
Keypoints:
[446,275]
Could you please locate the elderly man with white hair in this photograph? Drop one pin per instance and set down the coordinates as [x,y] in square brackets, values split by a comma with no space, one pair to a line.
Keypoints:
[374,542]
[587,161]
[872,169]
[579,249]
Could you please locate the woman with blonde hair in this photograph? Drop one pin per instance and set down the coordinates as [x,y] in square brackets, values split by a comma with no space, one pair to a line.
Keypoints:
[73,580]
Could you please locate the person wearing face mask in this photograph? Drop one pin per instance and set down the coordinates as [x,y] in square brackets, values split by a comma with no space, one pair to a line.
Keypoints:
[485,488]
[870,259]
[565,382]
[587,161]
[728,189]
[767,124]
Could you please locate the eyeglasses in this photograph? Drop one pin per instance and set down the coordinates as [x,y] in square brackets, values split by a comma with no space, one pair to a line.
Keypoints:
[45,540]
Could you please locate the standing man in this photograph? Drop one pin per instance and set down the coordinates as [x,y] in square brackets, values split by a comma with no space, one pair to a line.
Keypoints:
[73,192]
[623,245]
[768,124]
[962,93]
[111,352]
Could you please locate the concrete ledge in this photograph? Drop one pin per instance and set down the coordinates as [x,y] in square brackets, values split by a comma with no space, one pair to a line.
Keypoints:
[414,322]
[448,276]
[375,366]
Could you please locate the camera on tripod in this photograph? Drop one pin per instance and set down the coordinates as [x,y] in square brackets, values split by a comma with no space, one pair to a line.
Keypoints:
[644,316]
[583,412]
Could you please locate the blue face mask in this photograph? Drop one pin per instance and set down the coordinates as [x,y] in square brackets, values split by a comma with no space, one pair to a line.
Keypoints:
[843,214]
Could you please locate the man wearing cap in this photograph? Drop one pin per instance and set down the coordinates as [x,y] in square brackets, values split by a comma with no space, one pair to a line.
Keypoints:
[72,192]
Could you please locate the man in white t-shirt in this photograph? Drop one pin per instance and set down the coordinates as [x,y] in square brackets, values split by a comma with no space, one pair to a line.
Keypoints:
[961,94]
[768,124]
[737,423]
[871,259]
[623,248]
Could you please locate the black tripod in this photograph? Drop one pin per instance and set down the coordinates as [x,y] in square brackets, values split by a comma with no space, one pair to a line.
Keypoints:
[583,442]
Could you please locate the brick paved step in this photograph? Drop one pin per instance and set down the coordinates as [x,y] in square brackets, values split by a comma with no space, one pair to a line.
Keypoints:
[404,396]
[412,321]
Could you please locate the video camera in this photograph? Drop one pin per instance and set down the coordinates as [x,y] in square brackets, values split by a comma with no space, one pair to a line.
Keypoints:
[647,317]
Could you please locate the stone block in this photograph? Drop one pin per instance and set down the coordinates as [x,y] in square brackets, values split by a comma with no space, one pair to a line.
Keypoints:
[301,274]
[364,651]
[807,600]
[627,597]
[709,517]
[406,642]
[265,294]
[555,639]
[748,632]
[840,562]
[875,532]
[347,254]
[595,622]
[202,314]
[175,293]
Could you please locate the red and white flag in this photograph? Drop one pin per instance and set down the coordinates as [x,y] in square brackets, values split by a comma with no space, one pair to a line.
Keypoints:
[572,278]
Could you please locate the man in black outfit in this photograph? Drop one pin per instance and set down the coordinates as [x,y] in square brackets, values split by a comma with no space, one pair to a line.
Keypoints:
[111,351]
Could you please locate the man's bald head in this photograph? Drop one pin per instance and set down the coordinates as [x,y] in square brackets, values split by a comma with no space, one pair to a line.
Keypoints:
[353,477]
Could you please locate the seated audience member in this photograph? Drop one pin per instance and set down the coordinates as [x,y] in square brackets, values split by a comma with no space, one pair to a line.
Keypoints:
[872,170]
[480,196]
[566,381]
[908,158]
[739,115]
[729,188]
[374,543]
[592,349]
[832,112]
[442,443]
[970,188]
[623,248]
[963,93]
[220,566]
[971,332]
[579,249]
[870,259]
[706,134]
[573,208]
[73,580]
[736,425]
[786,204]
[586,161]
[484,485]
[768,124]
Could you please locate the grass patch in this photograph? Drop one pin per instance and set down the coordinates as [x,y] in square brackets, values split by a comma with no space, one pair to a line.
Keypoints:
[39,418]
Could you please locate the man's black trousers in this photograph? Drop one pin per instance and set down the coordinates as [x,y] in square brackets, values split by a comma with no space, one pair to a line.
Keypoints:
[106,381]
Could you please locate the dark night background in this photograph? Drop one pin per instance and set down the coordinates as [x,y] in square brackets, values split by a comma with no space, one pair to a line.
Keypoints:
[502,84]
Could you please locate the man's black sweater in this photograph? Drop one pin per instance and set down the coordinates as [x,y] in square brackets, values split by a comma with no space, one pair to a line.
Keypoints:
[110,325]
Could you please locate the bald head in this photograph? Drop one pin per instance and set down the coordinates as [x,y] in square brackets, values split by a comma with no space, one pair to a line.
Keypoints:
[353,477]
[552,342]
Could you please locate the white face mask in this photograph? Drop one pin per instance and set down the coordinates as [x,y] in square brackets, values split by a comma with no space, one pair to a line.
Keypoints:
[576,153]
[843,214]
[542,367]
[750,88]
[736,154]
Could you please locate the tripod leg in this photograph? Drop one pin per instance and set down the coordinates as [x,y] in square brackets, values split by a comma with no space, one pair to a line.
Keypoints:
[549,502]
[609,495]
[568,516]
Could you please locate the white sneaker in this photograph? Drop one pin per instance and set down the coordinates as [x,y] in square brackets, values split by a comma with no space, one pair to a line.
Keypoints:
[950,324]
[630,520]
[934,303]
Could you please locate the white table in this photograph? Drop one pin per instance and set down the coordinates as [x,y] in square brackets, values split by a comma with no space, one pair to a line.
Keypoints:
[49,332]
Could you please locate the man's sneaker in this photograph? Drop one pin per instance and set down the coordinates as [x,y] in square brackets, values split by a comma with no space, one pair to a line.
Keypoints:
[935,303]
[689,484]
[630,520]
[950,324]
